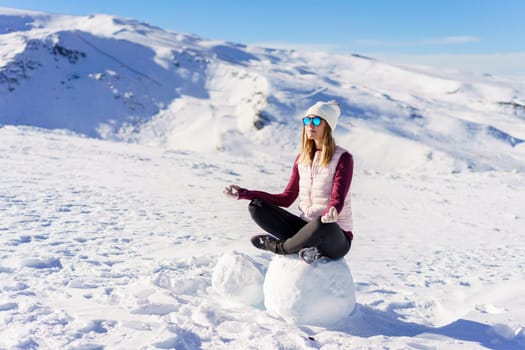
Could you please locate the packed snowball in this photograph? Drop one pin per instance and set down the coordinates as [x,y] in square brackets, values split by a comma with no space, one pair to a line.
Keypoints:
[319,294]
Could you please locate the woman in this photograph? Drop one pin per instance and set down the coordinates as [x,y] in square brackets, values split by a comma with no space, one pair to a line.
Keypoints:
[321,178]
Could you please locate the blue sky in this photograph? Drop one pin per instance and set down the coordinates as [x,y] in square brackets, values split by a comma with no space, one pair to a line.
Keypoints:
[477,34]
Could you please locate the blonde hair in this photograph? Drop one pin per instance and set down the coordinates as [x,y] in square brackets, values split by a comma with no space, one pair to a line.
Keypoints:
[308,148]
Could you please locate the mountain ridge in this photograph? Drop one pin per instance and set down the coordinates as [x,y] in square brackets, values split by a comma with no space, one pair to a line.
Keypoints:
[125,80]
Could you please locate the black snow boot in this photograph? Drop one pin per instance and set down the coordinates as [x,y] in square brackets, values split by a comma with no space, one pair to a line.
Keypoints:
[266,242]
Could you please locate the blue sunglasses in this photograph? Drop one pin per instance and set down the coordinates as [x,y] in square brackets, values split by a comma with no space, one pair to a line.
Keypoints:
[315,120]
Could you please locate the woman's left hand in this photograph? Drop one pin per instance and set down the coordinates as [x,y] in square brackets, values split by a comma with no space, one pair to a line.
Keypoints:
[330,216]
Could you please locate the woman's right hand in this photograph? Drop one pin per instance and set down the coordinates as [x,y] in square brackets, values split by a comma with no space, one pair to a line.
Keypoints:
[232,191]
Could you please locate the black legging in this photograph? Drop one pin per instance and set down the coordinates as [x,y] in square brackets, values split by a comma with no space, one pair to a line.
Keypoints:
[296,233]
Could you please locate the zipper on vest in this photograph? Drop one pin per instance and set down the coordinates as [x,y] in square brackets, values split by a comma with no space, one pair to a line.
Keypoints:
[313,171]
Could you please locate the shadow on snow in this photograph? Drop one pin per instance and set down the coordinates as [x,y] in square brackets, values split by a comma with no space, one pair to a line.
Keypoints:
[367,322]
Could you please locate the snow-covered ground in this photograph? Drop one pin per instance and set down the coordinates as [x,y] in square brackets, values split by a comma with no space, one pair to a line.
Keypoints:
[111,240]
[112,245]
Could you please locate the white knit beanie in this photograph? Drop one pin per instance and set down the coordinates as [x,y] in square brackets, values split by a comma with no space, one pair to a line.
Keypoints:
[329,111]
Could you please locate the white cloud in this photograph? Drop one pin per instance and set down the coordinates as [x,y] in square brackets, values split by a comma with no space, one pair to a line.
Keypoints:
[449,40]
[457,40]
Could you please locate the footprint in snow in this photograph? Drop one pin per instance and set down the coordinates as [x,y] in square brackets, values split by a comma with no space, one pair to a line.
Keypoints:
[97,326]
[6,270]
[20,240]
[49,263]
[8,306]
[155,309]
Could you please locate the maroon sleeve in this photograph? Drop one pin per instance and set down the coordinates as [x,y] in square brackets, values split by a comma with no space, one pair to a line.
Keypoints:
[342,180]
[284,199]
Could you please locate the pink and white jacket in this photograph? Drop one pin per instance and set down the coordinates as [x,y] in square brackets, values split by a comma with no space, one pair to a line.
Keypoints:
[318,188]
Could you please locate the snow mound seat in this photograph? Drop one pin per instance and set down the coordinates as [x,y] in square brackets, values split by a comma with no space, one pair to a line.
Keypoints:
[319,294]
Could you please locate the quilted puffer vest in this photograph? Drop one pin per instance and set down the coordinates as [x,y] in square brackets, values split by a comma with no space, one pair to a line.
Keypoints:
[315,189]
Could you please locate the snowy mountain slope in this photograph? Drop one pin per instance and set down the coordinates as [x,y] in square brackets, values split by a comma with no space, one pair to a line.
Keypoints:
[121,79]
